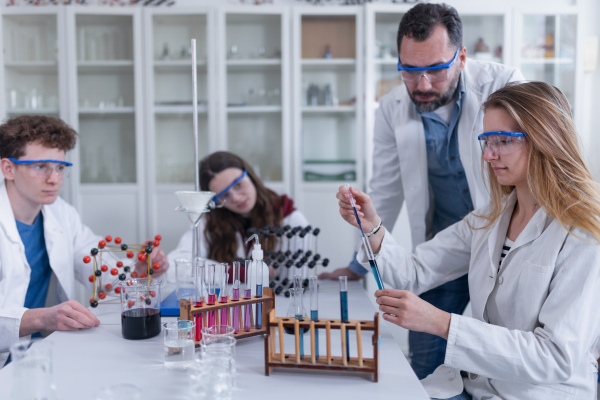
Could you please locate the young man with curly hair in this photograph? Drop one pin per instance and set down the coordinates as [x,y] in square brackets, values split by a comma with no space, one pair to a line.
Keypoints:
[40,234]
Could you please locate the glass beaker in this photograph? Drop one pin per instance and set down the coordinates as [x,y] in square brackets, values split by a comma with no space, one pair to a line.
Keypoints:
[186,278]
[179,344]
[32,361]
[140,308]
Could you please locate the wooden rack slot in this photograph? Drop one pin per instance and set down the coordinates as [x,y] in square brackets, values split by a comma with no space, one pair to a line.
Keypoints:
[274,358]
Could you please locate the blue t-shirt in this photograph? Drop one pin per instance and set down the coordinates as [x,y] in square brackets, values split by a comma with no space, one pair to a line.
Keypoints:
[37,257]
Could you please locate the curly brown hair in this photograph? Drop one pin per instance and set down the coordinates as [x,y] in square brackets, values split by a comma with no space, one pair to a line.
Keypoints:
[222,224]
[18,132]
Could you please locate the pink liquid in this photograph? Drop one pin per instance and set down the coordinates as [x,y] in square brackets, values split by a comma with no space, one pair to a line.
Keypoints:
[223,315]
[247,310]
[198,319]
[211,314]
[236,311]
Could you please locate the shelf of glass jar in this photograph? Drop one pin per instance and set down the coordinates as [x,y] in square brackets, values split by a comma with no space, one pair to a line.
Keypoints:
[327,64]
[179,107]
[32,67]
[105,106]
[105,66]
[182,65]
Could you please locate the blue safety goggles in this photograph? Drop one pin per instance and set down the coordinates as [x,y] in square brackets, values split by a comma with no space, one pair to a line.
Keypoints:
[230,186]
[434,73]
[68,164]
[502,142]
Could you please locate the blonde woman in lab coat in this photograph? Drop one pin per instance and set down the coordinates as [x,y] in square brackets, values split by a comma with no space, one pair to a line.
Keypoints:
[532,255]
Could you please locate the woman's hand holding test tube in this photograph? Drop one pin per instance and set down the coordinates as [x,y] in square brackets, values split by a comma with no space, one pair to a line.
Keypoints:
[366,212]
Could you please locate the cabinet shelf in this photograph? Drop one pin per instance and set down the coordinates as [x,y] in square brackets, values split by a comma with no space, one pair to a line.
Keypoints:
[328,109]
[321,64]
[386,61]
[179,109]
[551,60]
[33,67]
[114,110]
[32,111]
[95,67]
[177,65]
[254,109]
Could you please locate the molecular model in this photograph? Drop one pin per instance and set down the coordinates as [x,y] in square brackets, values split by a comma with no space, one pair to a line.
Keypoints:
[296,252]
[108,269]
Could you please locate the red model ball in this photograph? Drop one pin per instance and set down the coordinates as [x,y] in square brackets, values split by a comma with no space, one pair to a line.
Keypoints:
[119,264]
[114,271]
[92,278]
[108,238]
[101,244]
[108,286]
[117,240]
[142,257]
[130,254]
[153,293]
[117,290]
[156,243]
[104,268]
[143,275]
[133,275]
[102,295]
[158,237]
[87,259]
[130,303]
[156,265]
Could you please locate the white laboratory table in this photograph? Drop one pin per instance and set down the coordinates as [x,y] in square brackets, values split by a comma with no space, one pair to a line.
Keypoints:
[87,360]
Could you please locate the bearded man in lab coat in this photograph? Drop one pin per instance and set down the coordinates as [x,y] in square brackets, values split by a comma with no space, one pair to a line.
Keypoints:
[425,148]
[40,234]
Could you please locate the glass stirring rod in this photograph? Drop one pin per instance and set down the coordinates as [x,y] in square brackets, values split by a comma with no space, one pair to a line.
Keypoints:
[366,243]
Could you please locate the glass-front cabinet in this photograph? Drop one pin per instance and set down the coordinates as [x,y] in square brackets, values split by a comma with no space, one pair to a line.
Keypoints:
[328,95]
[547,50]
[169,103]
[33,68]
[254,76]
[105,101]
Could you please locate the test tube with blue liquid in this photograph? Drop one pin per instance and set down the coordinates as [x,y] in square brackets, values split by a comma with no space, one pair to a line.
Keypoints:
[247,295]
[299,308]
[224,293]
[366,243]
[235,296]
[344,309]
[314,308]
[212,295]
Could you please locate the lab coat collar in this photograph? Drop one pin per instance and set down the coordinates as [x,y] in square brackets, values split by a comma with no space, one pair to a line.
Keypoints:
[534,228]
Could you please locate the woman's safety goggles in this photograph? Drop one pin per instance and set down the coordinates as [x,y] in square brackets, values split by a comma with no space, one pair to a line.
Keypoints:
[234,187]
[502,143]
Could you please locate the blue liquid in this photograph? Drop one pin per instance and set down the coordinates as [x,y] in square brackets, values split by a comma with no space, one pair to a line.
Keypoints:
[375,271]
[301,339]
[314,315]
[259,292]
[344,312]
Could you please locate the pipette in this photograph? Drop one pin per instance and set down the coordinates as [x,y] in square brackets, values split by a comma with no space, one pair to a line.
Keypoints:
[366,243]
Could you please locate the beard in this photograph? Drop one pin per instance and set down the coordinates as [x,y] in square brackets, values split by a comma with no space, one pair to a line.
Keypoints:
[441,99]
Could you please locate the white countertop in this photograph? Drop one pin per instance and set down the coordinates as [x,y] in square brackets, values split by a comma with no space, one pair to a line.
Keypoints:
[85,361]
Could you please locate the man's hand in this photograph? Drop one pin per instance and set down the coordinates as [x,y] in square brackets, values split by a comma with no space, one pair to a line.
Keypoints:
[67,316]
[336,273]
[158,256]
[409,311]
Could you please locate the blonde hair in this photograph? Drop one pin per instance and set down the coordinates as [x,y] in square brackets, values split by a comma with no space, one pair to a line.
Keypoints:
[557,176]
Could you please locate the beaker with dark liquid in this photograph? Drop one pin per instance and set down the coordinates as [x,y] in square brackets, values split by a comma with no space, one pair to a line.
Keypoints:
[140,308]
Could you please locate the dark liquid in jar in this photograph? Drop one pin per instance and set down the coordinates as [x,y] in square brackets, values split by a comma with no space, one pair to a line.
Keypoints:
[140,323]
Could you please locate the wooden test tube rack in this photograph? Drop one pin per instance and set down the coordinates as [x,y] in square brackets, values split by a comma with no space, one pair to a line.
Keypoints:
[275,355]
[187,311]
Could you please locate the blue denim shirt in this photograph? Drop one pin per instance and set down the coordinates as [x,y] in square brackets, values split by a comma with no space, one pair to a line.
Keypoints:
[446,175]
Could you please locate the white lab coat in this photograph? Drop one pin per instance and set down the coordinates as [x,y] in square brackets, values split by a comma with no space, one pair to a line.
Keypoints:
[67,242]
[546,344]
[184,247]
[400,152]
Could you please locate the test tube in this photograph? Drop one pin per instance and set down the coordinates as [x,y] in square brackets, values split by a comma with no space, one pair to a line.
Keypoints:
[224,294]
[344,309]
[247,295]
[235,296]
[259,291]
[314,308]
[212,296]
[299,308]
[199,293]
